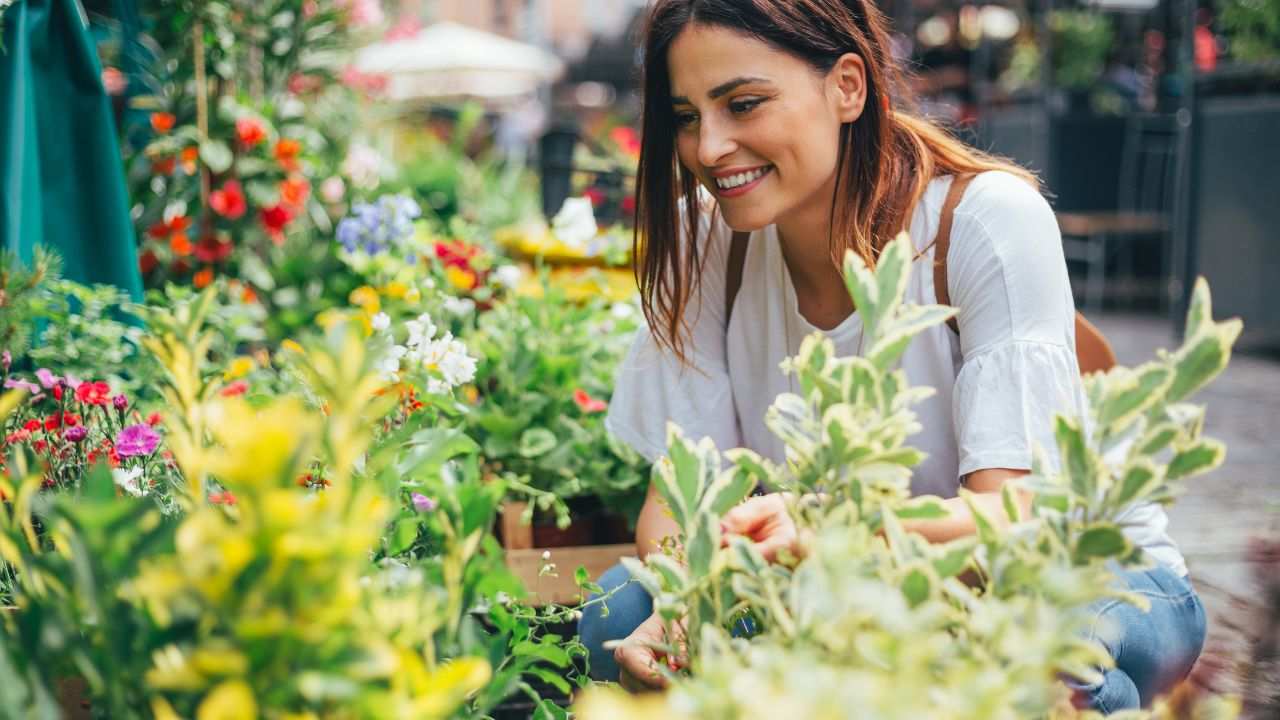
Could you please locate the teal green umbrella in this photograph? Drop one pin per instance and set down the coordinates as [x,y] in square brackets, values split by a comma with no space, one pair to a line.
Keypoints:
[61,177]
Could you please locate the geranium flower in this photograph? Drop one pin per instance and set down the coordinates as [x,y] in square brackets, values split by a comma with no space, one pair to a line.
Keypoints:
[180,244]
[162,122]
[202,278]
[294,191]
[229,201]
[286,152]
[137,440]
[274,219]
[93,393]
[249,131]
[189,157]
[588,404]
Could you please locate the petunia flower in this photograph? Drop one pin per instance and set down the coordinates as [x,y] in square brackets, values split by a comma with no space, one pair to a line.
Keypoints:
[137,440]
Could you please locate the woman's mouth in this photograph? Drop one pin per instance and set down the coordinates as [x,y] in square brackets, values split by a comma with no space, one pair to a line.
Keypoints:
[741,183]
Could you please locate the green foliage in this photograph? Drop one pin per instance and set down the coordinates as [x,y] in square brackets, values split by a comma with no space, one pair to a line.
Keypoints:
[1252,28]
[1081,41]
[873,616]
[544,375]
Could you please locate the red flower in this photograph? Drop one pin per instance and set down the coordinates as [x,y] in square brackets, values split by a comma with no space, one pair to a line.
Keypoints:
[229,202]
[57,392]
[202,279]
[212,250]
[250,132]
[70,420]
[180,267]
[294,191]
[595,195]
[164,165]
[275,219]
[626,138]
[53,421]
[238,387]
[162,122]
[31,425]
[94,393]
[286,152]
[629,204]
[154,419]
[222,498]
[189,157]
[588,404]
[147,261]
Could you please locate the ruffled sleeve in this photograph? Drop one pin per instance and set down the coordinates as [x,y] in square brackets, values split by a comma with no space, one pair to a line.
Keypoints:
[1007,274]
[652,387]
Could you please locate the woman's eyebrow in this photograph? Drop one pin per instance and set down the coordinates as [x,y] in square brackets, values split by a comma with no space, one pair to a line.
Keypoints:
[720,90]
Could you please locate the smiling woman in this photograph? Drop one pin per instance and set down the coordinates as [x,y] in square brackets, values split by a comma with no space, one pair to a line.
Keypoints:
[778,136]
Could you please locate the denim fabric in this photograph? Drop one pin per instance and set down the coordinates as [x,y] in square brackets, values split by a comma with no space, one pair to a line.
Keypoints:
[1153,650]
[629,607]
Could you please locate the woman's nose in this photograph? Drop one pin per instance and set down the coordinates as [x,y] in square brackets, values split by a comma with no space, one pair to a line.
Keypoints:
[715,143]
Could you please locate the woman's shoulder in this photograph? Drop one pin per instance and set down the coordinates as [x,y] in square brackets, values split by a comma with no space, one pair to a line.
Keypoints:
[999,197]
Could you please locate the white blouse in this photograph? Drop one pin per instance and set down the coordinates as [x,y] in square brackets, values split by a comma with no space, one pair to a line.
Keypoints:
[999,384]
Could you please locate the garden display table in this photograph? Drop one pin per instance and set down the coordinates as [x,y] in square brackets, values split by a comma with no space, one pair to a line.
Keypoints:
[526,559]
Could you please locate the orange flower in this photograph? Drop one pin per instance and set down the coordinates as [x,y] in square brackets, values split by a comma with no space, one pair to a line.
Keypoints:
[202,278]
[250,132]
[294,191]
[162,122]
[286,152]
[189,156]
[180,244]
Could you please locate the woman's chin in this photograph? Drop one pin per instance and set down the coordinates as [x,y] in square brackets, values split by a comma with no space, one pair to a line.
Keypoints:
[745,219]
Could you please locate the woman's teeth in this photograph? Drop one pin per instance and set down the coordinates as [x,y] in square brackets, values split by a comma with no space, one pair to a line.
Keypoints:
[733,181]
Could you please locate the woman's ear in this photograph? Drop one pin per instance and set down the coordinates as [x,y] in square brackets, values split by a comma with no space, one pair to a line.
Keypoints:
[847,82]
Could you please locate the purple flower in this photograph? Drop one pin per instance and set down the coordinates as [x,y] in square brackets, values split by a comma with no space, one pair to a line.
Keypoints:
[422,503]
[137,440]
[120,402]
[75,433]
[349,234]
[15,383]
[47,379]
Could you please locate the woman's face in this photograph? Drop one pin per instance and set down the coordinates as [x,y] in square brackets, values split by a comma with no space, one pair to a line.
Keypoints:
[757,126]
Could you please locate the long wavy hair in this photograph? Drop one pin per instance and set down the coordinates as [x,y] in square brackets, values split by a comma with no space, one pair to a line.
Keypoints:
[887,157]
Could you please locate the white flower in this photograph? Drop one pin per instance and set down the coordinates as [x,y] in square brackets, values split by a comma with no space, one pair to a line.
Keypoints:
[389,364]
[508,276]
[622,310]
[420,331]
[333,189]
[128,479]
[364,166]
[381,321]
[575,224]
[457,366]
[459,306]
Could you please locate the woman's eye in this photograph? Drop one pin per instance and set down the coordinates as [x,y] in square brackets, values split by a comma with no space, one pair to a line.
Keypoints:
[685,119]
[742,107]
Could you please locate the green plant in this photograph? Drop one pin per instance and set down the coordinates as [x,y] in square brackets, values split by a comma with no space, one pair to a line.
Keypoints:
[1252,28]
[1081,41]
[544,377]
[875,617]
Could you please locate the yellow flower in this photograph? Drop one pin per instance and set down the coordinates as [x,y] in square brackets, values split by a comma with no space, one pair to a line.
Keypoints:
[471,394]
[366,298]
[460,279]
[261,447]
[238,368]
[329,318]
[292,346]
[413,295]
[395,289]
[232,700]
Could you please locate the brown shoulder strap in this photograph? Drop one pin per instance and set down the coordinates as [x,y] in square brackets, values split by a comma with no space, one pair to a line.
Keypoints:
[1093,352]
[942,242]
[733,273]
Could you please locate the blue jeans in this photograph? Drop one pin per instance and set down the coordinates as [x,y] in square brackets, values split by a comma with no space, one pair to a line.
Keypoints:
[1153,650]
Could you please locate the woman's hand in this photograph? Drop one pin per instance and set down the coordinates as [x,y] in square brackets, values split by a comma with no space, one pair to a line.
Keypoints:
[638,660]
[765,520]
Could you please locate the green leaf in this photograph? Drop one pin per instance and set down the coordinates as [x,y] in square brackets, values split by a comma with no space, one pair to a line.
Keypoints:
[925,507]
[689,467]
[917,586]
[950,559]
[1201,359]
[893,269]
[862,286]
[674,577]
[1132,394]
[1201,457]
[1078,462]
[1157,438]
[727,490]
[543,651]
[216,155]
[1138,480]
[702,544]
[536,441]
[1100,542]
[1010,501]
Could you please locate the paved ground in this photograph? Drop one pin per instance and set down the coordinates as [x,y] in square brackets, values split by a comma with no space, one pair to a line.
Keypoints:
[1220,512]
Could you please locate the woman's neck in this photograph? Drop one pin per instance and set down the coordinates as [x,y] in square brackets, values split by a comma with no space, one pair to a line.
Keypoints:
[805,238]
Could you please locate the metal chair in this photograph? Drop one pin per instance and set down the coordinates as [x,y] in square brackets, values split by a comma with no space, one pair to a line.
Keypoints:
[1148,173]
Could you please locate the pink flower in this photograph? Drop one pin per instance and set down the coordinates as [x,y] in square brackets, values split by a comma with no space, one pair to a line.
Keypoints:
[15,383]
[588,404]
[47,379]
[422,503]
[75,433]
[137,440]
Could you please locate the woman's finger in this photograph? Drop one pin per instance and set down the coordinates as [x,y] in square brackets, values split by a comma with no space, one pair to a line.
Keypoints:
[746,518]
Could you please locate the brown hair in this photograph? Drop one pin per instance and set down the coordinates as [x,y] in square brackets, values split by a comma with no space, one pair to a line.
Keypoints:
[886,158]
